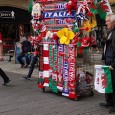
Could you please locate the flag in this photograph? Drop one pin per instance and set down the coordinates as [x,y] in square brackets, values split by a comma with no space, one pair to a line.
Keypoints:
[102,7]
[30,6]
[103,82]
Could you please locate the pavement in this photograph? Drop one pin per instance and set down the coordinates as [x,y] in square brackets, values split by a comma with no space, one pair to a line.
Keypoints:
[22,97]
[16,68]
[89,60]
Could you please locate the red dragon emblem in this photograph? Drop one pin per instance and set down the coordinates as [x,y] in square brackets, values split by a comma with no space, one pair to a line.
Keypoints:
[104,81]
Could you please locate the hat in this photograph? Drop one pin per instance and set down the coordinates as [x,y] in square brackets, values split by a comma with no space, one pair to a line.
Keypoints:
[85,41]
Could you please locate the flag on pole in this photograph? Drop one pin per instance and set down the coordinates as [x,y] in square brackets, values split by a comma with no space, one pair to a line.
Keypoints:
[103,82]
[30,5]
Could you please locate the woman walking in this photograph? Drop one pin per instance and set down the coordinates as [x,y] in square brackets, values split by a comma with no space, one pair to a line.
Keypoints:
[5,77]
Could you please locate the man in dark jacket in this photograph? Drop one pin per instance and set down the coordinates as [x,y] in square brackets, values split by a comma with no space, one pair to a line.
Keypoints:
[109,55]
[34,60]
[25,48]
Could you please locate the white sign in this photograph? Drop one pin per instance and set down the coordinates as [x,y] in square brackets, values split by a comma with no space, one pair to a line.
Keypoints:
[7,14]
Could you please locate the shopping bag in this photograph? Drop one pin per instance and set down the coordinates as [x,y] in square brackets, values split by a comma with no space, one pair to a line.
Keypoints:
[103,82]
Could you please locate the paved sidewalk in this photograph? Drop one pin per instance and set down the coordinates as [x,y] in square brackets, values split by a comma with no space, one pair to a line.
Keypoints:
[22,97]
[15,68]
[94,58]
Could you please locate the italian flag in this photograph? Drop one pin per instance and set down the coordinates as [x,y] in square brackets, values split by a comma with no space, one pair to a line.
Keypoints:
[103,83]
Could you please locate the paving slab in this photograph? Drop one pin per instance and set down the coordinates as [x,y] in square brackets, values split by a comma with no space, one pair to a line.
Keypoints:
[22,97]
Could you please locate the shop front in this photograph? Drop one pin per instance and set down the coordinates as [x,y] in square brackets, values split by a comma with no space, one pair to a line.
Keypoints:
[11,19]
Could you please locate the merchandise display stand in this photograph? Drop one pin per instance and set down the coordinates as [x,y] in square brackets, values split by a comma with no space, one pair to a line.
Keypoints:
[59,69]
[62,30]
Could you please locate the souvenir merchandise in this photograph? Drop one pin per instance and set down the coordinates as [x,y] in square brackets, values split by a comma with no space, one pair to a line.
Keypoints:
[103,79]
[85,41]
[59,27]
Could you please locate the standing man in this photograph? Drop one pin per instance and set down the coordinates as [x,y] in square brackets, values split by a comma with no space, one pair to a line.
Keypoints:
[109,56]
[4,76]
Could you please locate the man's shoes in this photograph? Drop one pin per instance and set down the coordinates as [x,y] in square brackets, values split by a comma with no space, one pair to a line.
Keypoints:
[111,110]
[25,66]
[106,105]
[26,78]
[22,66]
[5,83]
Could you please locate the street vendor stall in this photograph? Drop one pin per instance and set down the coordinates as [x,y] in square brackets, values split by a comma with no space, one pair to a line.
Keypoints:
[62,29]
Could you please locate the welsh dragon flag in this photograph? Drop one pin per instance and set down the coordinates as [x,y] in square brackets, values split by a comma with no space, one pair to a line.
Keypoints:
[103,83]
[101,7]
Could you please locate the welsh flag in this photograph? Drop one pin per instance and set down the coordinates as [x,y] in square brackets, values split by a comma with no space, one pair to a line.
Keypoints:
[103,83]
[102,7]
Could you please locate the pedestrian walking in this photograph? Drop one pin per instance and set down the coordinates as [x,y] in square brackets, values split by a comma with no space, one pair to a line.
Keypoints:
[33,62]
[109,56]
[32,65]
[5,77]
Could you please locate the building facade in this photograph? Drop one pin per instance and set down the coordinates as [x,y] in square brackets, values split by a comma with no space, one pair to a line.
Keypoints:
[13,15]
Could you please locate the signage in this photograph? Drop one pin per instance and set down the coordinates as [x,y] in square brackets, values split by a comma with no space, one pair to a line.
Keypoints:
[56,6]
[51,56]
[55,59]
[60,67]
[7,14]
[14,15]
[58,21]
[72,71]
[56,27]
[48,1]
[65,72]
[59,14]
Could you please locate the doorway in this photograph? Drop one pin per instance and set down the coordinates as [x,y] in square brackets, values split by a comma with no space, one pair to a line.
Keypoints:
[8,31]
